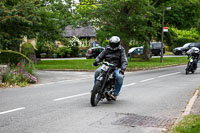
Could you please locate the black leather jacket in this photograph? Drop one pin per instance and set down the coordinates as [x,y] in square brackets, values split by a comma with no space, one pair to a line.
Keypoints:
[194,55]
[116,57]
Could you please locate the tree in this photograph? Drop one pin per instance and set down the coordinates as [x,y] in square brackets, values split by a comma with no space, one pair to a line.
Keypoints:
[184,14]
[16,19]
[44,19]
[128,19]
[139,20]
[54,15]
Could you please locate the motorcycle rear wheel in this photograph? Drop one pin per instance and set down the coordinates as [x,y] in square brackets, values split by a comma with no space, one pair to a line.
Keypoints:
[192,71]
[96,95]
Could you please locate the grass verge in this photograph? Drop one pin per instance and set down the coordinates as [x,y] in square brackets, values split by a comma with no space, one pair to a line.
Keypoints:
[189,124]
[87,64]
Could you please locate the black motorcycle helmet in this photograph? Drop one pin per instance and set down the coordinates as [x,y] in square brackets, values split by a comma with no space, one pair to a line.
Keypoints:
[114,42]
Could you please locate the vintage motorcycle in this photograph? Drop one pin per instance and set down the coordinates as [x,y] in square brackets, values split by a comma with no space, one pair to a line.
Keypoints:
[104,86]
[190,65]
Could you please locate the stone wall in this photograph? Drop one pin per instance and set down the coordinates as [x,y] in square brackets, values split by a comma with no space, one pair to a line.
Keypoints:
[2,70]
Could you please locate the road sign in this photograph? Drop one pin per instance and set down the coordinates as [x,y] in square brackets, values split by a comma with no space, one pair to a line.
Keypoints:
[165,29]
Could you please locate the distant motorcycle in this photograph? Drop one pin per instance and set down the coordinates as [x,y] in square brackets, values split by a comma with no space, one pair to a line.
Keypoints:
[190,65]
[105,84]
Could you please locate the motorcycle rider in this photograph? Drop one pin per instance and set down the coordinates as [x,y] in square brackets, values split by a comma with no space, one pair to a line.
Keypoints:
[194,52]
[113,53]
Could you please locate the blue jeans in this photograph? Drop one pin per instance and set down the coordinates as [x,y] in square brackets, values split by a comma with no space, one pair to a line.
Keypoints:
[195,64]
[118,81]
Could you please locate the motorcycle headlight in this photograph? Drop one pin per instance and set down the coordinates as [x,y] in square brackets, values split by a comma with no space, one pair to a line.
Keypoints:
[191,60]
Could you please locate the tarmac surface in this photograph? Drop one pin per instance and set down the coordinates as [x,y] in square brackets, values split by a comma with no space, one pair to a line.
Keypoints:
[60,75]
[196,107]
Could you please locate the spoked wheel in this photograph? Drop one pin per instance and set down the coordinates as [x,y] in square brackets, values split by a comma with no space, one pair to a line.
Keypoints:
[188,68]
[96,95]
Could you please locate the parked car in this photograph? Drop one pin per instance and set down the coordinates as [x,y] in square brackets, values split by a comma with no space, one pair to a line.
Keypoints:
[136,51]
[93,52]
[156,48]
[185,48]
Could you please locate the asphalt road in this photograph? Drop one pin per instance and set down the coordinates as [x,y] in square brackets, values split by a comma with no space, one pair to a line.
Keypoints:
[149,102]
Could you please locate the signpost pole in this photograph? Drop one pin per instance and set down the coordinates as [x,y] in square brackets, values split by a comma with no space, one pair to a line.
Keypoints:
[162,36]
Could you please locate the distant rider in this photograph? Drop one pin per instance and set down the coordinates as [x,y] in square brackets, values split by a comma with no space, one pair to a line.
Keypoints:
[194,52]
[113,53]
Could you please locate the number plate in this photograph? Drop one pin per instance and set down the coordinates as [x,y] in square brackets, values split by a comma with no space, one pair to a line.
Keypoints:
[104,67]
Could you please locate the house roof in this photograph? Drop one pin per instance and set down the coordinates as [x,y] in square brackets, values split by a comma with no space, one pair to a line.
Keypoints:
[86,31]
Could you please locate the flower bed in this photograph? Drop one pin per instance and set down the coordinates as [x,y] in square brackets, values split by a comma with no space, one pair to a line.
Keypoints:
[19,75]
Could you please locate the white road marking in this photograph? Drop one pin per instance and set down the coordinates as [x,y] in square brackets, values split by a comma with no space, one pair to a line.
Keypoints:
[83,94]
[129,85]
[61,81]
[147,79]
[69,97]
[169,74]
[13,110]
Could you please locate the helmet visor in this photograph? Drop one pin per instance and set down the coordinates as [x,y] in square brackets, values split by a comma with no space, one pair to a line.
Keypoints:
[114,45]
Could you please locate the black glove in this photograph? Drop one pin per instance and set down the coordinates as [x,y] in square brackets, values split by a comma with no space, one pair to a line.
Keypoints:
[95,63]
[121,72]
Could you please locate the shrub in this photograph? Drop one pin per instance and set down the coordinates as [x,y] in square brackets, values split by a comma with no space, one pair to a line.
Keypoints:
[41,47]
[105,43]
[74,51]
[83,51]
[28,50]
[63,51]
[13,57]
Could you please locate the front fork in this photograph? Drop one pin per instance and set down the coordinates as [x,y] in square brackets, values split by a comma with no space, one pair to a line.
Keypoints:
[102,81]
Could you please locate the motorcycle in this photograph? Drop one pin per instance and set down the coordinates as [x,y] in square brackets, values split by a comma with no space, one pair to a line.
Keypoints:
[104,86]
[190,65]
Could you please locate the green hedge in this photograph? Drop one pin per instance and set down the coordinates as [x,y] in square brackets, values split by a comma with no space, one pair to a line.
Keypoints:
[63,51]
[13,57]
[75,51]
[27,49]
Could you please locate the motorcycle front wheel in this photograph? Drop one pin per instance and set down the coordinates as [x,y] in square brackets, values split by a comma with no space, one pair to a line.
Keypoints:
[186,71]
[96,95]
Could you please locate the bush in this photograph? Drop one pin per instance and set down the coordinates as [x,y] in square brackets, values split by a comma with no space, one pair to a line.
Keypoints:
[12,57]
[41,47]
[28,50]
[105,43]
[63,51]
[74,51]
[83,51]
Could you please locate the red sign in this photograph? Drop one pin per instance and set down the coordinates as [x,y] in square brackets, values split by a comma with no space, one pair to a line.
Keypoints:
[165,29]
